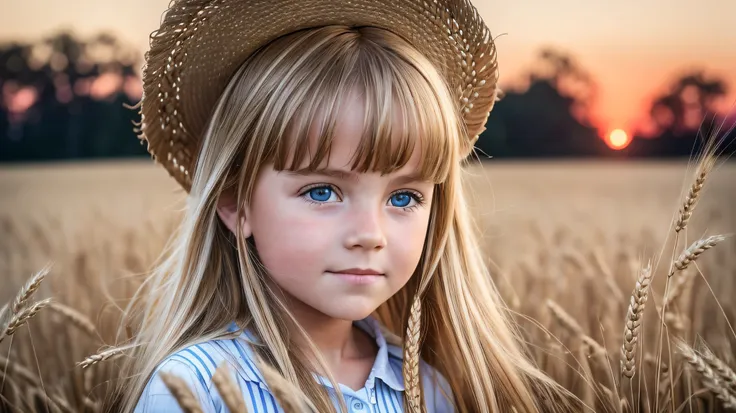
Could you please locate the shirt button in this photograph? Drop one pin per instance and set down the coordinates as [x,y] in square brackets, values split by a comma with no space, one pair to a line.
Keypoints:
[357,405]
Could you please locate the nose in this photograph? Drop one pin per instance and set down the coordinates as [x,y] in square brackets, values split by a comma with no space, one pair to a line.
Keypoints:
[366,229]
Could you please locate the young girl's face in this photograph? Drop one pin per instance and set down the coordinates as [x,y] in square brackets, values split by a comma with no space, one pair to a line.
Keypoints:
[338,241]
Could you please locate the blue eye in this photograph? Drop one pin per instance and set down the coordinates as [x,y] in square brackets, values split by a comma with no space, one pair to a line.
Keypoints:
[321,194]
[401,200]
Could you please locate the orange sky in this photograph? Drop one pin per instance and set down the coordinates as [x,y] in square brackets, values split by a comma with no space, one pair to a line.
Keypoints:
[632,48]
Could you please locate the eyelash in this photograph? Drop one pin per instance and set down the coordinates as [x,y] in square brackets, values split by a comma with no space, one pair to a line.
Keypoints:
[415,195]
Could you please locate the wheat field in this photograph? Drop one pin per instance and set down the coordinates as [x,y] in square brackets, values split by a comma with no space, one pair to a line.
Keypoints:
[582,253]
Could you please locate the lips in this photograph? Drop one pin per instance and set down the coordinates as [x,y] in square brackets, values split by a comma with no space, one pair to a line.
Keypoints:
[358,271]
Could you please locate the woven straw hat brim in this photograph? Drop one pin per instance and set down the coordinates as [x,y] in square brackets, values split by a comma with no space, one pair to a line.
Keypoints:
[201,44]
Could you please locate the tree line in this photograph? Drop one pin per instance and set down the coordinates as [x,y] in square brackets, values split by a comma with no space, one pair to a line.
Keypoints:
[64,97]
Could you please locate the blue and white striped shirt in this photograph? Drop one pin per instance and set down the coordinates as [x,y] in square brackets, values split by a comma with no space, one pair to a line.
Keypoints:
[382,393]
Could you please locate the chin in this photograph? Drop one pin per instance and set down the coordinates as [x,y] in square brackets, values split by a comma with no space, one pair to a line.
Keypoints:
[352,310]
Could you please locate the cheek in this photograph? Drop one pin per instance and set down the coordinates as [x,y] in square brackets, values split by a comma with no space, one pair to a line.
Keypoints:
[406,244]
[289,241]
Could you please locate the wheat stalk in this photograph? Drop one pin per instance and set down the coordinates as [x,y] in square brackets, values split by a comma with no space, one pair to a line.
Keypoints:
[589,344]
[228,390]
[694,251]
[707,376]
[19,319]
[76,318]
[686,210]
[608,280]
[560,287]
[291,399]
[54,402]
[411,357]
[182,393]
[633,321]
[594,348]
[7,367]
[676,289]
[101,356]
[565,319]
[90,404]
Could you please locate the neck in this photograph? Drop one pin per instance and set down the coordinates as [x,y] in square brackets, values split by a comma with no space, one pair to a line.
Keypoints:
[336,339]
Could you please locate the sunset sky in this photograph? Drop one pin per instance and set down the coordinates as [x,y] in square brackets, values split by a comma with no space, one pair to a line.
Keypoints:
[633,49]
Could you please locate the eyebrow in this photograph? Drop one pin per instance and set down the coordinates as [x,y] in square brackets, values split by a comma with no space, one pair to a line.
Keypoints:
[352,176]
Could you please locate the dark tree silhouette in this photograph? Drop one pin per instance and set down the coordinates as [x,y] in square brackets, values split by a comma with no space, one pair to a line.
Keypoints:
[550,118]
[63,97]
[683,116]
[691,97]
[79,93]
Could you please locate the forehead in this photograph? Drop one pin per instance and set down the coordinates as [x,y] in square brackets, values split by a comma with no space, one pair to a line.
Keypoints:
[350,134]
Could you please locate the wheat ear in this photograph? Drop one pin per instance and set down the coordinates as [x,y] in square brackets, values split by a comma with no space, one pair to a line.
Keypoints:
[19,319]
[17,370]
[101,356]
[676,289]
[694,251]
[568,322]
[608,279]
[77,319]
[633,321]
[725,373]
[182,393]
[411,357]
[3,312]
[686,210]
[565,319]
[55,402]
[27,291]
[291,399]
[228,390]
[707,376]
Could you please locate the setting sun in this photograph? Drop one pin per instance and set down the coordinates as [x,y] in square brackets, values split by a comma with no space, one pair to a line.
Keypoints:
[618,139]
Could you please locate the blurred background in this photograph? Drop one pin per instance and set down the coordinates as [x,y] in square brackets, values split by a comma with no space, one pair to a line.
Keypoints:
[582,79]
[588,163]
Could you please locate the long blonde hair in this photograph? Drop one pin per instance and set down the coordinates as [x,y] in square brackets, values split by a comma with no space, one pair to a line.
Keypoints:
[210,277]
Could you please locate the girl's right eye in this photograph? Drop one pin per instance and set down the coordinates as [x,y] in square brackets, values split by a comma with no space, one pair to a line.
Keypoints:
[320,194]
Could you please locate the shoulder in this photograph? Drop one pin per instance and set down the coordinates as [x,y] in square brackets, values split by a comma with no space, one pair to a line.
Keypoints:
[437,391]
[196,364]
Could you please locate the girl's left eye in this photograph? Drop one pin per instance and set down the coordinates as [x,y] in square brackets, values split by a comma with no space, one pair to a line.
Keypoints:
[404,199]
[400,200]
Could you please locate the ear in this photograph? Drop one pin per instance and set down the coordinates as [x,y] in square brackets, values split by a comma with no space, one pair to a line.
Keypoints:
[227,210]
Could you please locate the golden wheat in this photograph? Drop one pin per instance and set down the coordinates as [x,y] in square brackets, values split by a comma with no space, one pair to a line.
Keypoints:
[291,399]
[25,293]
[411,356]
[633,321]
[695,250]
[565,319]
[725,373]
[101,356]
[710,379]
[181,392]
[686,210]
[22,317]
[75,318]
[228,390]
[581,247]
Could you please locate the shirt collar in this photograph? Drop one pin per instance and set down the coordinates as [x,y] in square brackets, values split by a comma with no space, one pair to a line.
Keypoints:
[381,367]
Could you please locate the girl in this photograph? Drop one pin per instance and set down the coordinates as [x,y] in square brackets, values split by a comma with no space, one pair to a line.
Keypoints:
[326,231]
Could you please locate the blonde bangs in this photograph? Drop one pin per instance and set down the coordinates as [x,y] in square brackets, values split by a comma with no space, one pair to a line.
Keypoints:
[388,84]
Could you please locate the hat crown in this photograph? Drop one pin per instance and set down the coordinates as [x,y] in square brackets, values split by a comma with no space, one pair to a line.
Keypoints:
[201,44]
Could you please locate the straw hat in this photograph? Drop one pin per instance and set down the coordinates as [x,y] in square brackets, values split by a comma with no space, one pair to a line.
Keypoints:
[201,44]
